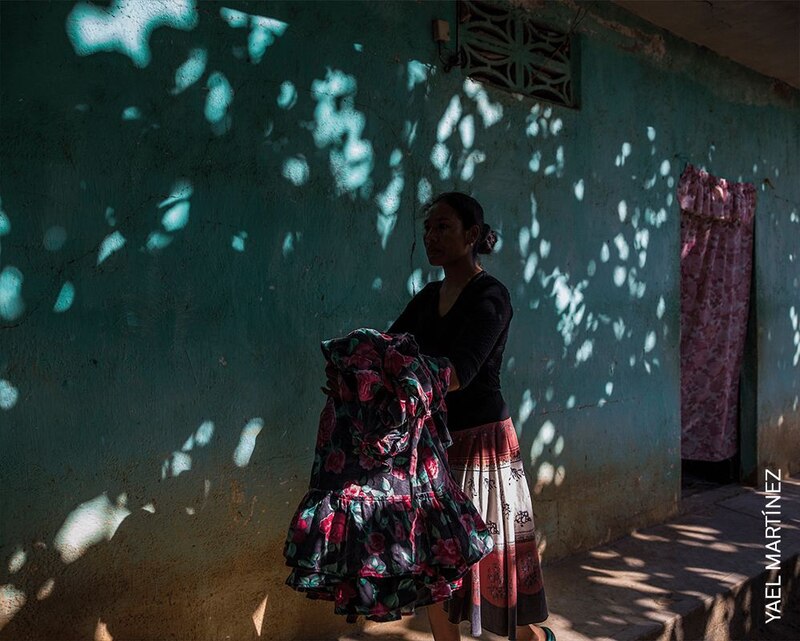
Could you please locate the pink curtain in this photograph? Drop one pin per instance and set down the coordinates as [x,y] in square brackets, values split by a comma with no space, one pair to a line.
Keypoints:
[716,265]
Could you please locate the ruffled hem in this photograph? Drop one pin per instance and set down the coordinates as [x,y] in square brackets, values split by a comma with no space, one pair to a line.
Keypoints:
[342,536]
[377,599]
[413,555]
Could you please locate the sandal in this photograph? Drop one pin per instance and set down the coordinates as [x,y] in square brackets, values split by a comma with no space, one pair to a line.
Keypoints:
[549,635]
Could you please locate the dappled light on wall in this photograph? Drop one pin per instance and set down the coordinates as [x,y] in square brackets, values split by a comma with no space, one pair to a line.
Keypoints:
[218,100]
[625,151]
[190,71]
[454,118]
[579,189]
[547,473]
[65,298]
[8,395]
[5,222]
[89,523]
[258,616]
[491,112]
[416,281]
[174,218]
[46,589]
[132,113]
[289,242]
[12,600]
[126,26]
[263,32]
[101,632]
[526,406]
[417,73]
[247,442]
[177,215]
[584,321]
[338,125]
[111,243]
[11,303]
[424,191]
[17,560]
[181,461]
[452,157]
[389,199]
[296,170]
[540,122]
[568,301]
[288,95]
[54,238]
[200,438]
[238,241]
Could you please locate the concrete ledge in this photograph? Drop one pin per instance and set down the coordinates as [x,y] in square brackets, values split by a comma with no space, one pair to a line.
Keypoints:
[701,576]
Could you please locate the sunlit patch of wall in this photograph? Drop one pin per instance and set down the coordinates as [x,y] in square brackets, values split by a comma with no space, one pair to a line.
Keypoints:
[88,524]
[8,395]
[190,71]
[339,126]
[218,101]
[176,208]
[12,304]
[126,25]
[263,31]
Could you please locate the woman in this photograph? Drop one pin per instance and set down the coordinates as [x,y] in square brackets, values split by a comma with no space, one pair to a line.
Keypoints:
[465,317]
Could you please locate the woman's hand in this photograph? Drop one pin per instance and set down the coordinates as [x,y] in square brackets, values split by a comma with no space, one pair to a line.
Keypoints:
[454,382]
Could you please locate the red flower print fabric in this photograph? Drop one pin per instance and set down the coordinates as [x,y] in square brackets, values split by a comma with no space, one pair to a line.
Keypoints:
[383,528]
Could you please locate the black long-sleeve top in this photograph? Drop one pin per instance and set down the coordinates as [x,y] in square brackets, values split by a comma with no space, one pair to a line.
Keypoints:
[472,335]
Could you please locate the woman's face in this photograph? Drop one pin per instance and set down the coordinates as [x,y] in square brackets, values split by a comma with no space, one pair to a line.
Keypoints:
[446,240]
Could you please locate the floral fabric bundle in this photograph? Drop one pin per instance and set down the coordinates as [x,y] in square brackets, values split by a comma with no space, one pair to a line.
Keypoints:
[383,528]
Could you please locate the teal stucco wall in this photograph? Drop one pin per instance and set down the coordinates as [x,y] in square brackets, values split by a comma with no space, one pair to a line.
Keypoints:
[189,210]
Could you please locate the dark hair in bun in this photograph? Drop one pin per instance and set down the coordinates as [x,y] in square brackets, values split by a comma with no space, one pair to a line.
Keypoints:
[487,242]
[470,213]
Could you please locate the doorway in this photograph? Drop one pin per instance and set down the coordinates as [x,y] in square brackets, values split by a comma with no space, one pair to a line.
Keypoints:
[718,332]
